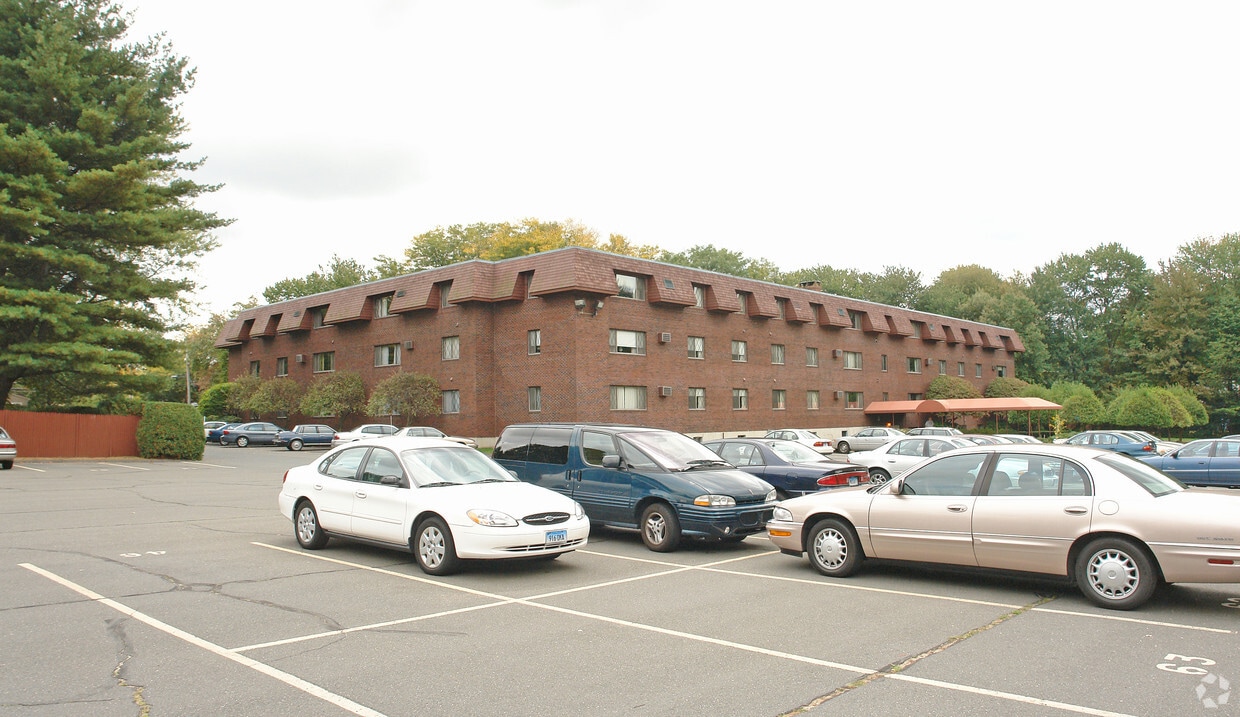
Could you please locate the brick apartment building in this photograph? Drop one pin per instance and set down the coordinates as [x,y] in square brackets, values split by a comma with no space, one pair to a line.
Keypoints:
[581,335]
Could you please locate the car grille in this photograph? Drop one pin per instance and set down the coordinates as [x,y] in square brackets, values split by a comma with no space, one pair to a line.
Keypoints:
[545,518]
[541,547]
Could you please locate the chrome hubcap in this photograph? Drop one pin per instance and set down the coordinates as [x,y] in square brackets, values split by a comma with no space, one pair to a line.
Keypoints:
[830,548]
[656,528]
[306,525]
[1113,574]
[431,547]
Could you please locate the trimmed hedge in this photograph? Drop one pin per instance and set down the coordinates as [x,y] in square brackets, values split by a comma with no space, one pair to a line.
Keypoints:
[170,430]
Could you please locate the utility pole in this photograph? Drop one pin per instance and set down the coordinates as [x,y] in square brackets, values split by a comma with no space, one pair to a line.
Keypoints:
[187,396]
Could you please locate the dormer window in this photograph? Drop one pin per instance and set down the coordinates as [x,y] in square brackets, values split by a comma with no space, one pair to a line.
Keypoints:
[630,286]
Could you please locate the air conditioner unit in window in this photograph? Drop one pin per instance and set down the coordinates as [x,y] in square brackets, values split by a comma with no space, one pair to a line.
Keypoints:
[665,390]
[301,358]
[837,353]
[408,345]
[839,395]
[665,337]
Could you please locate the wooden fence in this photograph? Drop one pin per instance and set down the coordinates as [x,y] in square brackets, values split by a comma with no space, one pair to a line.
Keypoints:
[71,435]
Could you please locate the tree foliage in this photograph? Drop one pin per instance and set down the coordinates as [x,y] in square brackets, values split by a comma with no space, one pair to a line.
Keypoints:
[951,387]
[336,274]
[338,394]
[213,402]
[276,395]
[410,395]
[98,234]
[170,430]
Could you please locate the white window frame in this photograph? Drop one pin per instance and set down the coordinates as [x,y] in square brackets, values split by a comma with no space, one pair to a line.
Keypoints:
[813,400]
[779,399]
[533,342]
[451,401]
[628,398]
[450,348]
[913,364]
[282,366]
[742,355]
[853,361]
[740,399]
[383,306]
[699,296]
[618,340]
[854,400]
[697,347]
[777,354]
[811,356]
[387,355]
[697,398]
[325,362]
[631,286]
[533,395]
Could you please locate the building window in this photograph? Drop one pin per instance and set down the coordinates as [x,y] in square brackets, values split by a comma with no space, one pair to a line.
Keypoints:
[631,287]
[942,367]
[699,296]
[254,368]
[325,361]
[740,399]
[282,366]
[450,348]
[883,362]
[452,401]
[852,399]
[445,290]
[916,329]
[628,398]
[811,400]
[626,342]
[387,355]
[743,299]
[697,347]
[383,306]
[779,399]
[854,318]
[914,365]
[777,354]
[1001,371]
[960,369]
[916,396]
[811,356]
[977,370]
[852,360]
[697,399]
[318,317]
[533,342]
[781,307]
[535,397]
[738,351]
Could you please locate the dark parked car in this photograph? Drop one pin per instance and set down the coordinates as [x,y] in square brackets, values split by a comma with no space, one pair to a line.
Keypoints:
[8,450]
[213,435]
[791,467]
[662,483]
[306,434]
[1213,461]
[1118,441]
[257,432]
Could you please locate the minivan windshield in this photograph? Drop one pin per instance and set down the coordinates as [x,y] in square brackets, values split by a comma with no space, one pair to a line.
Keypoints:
[673,451]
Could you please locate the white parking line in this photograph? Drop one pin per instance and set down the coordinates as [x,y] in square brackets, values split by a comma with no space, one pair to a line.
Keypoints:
[121,465]
[529,602]
[206,465]
[296,682]
[28,468]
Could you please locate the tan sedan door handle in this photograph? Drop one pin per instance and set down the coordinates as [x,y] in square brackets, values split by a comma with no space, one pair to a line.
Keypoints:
[957,508]
[1075,510]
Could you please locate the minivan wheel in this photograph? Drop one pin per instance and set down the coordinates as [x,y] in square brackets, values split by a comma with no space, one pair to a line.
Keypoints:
[660,528]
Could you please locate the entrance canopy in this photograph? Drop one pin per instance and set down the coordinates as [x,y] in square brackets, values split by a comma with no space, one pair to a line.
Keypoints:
[963,405]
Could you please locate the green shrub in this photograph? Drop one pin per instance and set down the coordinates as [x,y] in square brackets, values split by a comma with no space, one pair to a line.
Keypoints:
[170,430]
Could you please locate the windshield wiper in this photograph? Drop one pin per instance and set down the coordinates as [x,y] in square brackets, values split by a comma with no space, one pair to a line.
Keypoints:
[437,484]
[705,463]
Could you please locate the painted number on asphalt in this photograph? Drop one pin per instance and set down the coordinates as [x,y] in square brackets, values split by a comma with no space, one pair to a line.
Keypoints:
[1232,602]
[149,552]
[1185,669]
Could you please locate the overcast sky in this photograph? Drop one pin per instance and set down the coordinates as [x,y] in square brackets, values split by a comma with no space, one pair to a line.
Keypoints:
[860,134]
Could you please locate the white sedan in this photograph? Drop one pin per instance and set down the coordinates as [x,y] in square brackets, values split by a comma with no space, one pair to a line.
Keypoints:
[804,437]
[891,459]
[441,500]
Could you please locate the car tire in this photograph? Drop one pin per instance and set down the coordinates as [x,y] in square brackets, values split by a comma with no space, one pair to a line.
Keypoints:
[242,441]
[842,447]
[660,528]
[833,548]
[1116,573]
[295,444]
[434,549]
[878,475]
[310,534]
[6,465]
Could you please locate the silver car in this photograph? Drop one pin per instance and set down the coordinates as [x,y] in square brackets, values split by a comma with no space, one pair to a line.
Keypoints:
[1118,527]
[867,439]
[891,459]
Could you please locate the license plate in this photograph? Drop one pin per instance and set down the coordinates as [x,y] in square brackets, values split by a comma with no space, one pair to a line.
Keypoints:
[852,480]
[556,537]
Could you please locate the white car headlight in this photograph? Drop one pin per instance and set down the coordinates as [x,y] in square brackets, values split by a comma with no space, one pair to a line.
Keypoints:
[770,497]
[578,511]
[780,513]
[491,518]
[715,501]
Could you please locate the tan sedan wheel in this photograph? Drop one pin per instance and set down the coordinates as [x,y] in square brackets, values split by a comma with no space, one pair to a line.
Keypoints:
[1116,573]
[833,548]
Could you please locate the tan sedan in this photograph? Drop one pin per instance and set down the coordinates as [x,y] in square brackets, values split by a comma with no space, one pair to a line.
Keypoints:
[1114,525]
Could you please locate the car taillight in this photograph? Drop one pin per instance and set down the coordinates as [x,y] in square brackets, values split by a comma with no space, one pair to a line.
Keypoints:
[1148,447]
[285,478]
[820,444]
[832,479]
[5,443]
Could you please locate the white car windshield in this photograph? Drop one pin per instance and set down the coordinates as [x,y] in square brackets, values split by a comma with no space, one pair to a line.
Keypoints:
[674,451]
[796,453]
[441,466]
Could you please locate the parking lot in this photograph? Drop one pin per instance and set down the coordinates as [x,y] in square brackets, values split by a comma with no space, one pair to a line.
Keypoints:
[134,587]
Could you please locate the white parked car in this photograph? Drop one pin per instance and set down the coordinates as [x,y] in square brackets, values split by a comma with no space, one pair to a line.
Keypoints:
[432,432]
[441,500]
[867,439]
[366,430]
[891,459]
[804,437]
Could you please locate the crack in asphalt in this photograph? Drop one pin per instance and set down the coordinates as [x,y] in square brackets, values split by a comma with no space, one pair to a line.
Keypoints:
[897,667]
[116,628]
